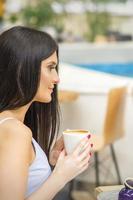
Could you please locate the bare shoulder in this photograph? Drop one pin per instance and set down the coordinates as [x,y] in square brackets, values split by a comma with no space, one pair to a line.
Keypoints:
[14,129]
[15,158]
[15,133]
[15,142]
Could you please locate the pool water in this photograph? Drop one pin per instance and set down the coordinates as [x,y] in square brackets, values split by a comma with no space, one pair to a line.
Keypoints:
[121,69]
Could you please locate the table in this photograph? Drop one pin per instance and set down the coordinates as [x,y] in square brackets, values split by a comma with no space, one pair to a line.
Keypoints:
[108,192]
[110,195]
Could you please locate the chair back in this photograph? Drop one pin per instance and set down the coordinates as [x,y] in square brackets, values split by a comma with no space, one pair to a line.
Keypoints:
[114,118]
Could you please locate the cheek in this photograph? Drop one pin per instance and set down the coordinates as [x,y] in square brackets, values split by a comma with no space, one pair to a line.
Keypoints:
[44,77]
[43,94]
[43,80]
[44,85]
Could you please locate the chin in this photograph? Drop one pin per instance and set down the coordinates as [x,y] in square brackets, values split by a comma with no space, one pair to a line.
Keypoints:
[46,100]
[43,99]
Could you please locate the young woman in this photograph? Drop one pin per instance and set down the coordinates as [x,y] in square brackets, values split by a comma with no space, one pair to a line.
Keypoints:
[29,114]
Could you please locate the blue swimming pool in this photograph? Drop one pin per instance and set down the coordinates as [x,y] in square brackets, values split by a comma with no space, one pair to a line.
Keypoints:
[121,69]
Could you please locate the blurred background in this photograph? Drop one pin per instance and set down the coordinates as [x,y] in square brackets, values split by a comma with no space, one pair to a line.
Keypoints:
[101,20]
[96,55]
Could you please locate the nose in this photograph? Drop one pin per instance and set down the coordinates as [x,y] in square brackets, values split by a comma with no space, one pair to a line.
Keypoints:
[56,78]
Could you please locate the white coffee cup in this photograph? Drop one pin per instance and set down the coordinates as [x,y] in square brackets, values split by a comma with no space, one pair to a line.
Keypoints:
[72,138]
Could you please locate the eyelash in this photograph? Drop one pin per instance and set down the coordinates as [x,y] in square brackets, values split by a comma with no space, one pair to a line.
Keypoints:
[52,68]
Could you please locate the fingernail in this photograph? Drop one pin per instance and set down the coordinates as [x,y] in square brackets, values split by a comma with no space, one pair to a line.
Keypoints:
[88,136]
[90,153]
[91,145]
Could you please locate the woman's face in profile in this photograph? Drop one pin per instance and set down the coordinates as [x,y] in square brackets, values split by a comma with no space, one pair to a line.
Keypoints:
[48,79]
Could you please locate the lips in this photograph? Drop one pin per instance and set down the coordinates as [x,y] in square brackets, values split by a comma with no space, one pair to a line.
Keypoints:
[51,89]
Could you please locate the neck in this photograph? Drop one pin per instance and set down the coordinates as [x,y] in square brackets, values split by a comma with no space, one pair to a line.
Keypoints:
[18,113]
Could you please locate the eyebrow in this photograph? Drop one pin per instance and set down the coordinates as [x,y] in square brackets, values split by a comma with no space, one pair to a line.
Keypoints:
[51,63]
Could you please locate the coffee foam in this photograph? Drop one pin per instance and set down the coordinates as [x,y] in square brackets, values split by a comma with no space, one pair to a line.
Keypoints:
[75,131]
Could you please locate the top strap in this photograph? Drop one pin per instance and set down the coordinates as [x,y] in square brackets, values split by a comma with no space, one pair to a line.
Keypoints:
[5,119]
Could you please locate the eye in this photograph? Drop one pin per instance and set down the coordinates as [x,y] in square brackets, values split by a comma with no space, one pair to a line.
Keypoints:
[51,67]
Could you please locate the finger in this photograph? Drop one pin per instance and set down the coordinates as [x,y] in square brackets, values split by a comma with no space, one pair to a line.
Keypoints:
[91,148]
[86,146]
[85,153]
[84,167]
[80,146]
[85,161]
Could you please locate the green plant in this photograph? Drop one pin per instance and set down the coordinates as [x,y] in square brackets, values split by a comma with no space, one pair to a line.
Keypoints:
[98,24]
[38,15]
[13,17]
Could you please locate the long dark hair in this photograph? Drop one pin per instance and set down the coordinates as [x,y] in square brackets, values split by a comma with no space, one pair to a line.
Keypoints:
[21,51]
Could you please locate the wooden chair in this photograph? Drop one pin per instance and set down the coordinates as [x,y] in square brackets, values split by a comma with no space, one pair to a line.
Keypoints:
[113,129]
[65,96]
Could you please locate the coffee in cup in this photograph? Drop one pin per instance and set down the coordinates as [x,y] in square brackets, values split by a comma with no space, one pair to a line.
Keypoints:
[72,138]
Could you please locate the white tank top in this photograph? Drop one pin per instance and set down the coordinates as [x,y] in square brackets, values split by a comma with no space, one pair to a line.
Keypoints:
[39,170]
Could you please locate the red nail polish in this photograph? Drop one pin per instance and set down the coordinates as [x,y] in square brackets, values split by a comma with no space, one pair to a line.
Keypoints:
[90,153]
[91,145]
[88,136]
